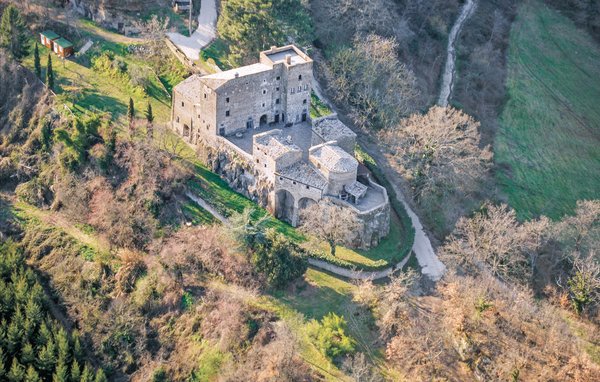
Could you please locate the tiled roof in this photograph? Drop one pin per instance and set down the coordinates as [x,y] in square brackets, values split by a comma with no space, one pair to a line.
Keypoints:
[331,129]
[190,88]
[304,173]
[273,144]
[333,158]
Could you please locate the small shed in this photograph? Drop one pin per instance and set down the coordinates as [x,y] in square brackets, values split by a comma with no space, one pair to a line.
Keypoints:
[63,47]
[47,38]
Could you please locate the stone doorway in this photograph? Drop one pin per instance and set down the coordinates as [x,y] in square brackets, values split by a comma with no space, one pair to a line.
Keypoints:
[263,120]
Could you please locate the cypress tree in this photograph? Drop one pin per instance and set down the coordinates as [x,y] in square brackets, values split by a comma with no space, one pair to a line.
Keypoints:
[87,375]
[16,372]
[75,371]
[130,112]
[36,61]
[149,115]
[50,73]
[13,33]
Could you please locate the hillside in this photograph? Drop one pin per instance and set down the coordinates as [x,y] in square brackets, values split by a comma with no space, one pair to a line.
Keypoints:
[547,146]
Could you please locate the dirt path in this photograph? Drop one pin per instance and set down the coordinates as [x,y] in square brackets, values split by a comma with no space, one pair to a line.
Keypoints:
[450,68]
[422,248]
[344,272]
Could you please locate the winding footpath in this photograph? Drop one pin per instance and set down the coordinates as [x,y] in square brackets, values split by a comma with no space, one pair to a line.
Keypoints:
[337,270]
[430,264]
[204,35]
[450,68]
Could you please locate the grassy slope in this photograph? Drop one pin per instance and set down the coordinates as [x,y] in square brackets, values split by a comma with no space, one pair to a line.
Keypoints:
[548,144]
[99,91]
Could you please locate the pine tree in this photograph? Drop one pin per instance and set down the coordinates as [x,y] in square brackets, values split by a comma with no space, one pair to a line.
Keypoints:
[32,375]
[13,33]
[47,356]
[130,112]
[50,74]
[61,374]
[75,371]
[27,354]
[16,372]
[62,342]
[100,376]
[87,375]
[36,61]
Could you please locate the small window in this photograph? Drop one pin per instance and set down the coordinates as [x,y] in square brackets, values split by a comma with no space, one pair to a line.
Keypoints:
[299,89]
[293,90]
[281,178]
[205,95]
[227,113]
[227,99]
[277,101]
[278,78]
[277,89]
[300,77]
[264,91]
[257,161]
[304,102]
[182,104]
[294,182]
[265,165]
[177,119]
[305,86]
[263,104]
[308,187]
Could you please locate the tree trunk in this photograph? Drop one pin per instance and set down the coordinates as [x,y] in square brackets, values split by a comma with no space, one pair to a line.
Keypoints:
[332,247]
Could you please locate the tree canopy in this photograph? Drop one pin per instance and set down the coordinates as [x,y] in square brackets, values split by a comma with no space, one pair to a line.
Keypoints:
[13,33]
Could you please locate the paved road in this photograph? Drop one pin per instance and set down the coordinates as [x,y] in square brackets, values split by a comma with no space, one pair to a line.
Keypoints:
[206,32]
[450,68]
[422,248]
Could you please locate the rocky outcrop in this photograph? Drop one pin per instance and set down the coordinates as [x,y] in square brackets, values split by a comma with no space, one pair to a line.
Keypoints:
[116,14]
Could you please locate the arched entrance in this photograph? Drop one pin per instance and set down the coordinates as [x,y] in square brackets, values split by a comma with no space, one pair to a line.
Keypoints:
[263,120]
[284,206]
[305,203]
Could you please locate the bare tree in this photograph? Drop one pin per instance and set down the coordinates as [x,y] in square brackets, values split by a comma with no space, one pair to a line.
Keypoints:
[360,369]
[494,241]
[154,32]
[581,232]
[330,222]
[169,142]
[438,151]
[369,77]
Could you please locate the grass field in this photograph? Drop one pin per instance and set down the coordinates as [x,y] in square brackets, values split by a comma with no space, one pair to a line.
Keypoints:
[548,145]
[84,89]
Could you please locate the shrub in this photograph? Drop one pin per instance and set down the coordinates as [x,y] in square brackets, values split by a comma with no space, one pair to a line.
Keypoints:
[278,260]
[330,336]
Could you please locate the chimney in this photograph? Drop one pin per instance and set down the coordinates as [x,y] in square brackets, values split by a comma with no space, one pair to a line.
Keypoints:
[273,47]
[288,59]
[237,74]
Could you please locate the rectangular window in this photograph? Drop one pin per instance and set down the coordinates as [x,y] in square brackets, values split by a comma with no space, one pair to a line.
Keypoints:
[205,96]
[277,101]
[182,104]
[277,89]
[278,78]
[304,102]
[227,113]
[227,99]
[299,89]
[305,86]
[264,91]
[293,90]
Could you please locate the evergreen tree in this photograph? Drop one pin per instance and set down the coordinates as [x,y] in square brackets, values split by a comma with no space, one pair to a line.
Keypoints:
[47,357]
[62,342]
[36,61]
[100,376]
[16,372]
[27,354]
[149,115]
[13,33]
[61,374]
[75,371]
[87,375]
[32,375]
[50,73]
[130,112]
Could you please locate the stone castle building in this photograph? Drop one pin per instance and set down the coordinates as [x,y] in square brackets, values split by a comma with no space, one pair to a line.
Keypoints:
[253,126]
